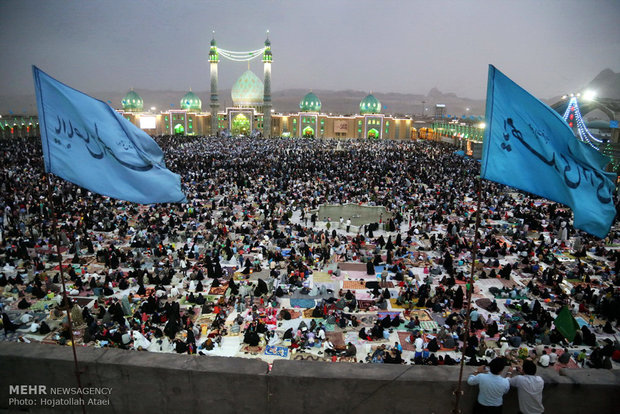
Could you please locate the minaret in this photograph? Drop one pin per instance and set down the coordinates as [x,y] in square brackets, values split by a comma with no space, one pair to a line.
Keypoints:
[267,91]
[215,105]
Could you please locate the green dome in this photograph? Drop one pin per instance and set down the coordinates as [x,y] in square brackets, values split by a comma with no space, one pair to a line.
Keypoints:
[370,105]
[191,102]
[132,102]
[310,103]
[248,90]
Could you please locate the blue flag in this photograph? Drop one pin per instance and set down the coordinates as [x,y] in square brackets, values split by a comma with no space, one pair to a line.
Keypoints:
[88,143]
[529,146]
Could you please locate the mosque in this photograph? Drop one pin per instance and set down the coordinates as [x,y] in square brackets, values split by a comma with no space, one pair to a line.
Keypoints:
[252,113]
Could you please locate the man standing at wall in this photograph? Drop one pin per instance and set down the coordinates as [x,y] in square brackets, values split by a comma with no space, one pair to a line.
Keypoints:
[530,389]
[492,387]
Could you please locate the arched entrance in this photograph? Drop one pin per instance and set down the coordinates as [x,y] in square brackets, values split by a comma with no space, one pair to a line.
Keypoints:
[179,129]
[308,132]
[240,125]
[373,133]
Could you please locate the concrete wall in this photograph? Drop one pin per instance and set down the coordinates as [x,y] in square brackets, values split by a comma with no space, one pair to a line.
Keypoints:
[156,383]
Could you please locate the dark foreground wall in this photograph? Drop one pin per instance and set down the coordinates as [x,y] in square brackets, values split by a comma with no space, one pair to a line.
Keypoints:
[143,382]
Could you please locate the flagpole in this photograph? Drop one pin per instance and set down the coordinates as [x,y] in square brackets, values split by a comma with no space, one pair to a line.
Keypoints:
[64,286]
[474,252]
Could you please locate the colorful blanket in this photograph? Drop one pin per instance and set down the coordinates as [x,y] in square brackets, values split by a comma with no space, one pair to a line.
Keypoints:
[421,314]
[353,284]
[279,351]
[303,303]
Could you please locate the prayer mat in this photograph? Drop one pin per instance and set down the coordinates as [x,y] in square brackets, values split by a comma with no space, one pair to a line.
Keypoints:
[353,266]
[429,326]
[295,313]
[219,290]
[362,295]
[299,356]
[392,315]
[354,338]
[303,303]
[49,339]
[372,284]
[353,275]
[421,314]
[41,304]
[337,339]
[394,305]
[402,338]
[347,359]
[254,350]
[570,365]
[365,304]
[279,351]
[353,284]
[321,277]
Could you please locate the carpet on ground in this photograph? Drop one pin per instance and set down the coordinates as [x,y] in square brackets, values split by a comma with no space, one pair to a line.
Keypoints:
[218,290]
[303,303]
[353,266]
[254,350]
[392,315]
[429,326]
[372,284]
[296,313]
[402,338]
[299,356]
[274,350]
[337,339]
[362,295]
[307,313]
[321,277]
[421,314]
[365,304]
[353,284]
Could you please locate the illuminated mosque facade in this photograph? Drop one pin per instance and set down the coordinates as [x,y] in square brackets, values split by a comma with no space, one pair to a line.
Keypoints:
[252,113]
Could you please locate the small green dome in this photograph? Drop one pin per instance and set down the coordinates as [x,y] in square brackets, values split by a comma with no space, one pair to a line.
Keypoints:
[310,103]
[132,102]
[370,105]
[191,102]
[248,90]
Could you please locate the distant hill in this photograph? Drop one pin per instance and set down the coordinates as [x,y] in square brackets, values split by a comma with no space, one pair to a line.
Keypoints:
[606,83]
[337,102]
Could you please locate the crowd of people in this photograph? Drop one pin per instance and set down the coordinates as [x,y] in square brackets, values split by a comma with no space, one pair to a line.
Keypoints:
[241,260]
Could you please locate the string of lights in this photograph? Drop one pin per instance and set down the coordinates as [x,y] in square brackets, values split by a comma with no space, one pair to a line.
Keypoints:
[240,56]
[572,115]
